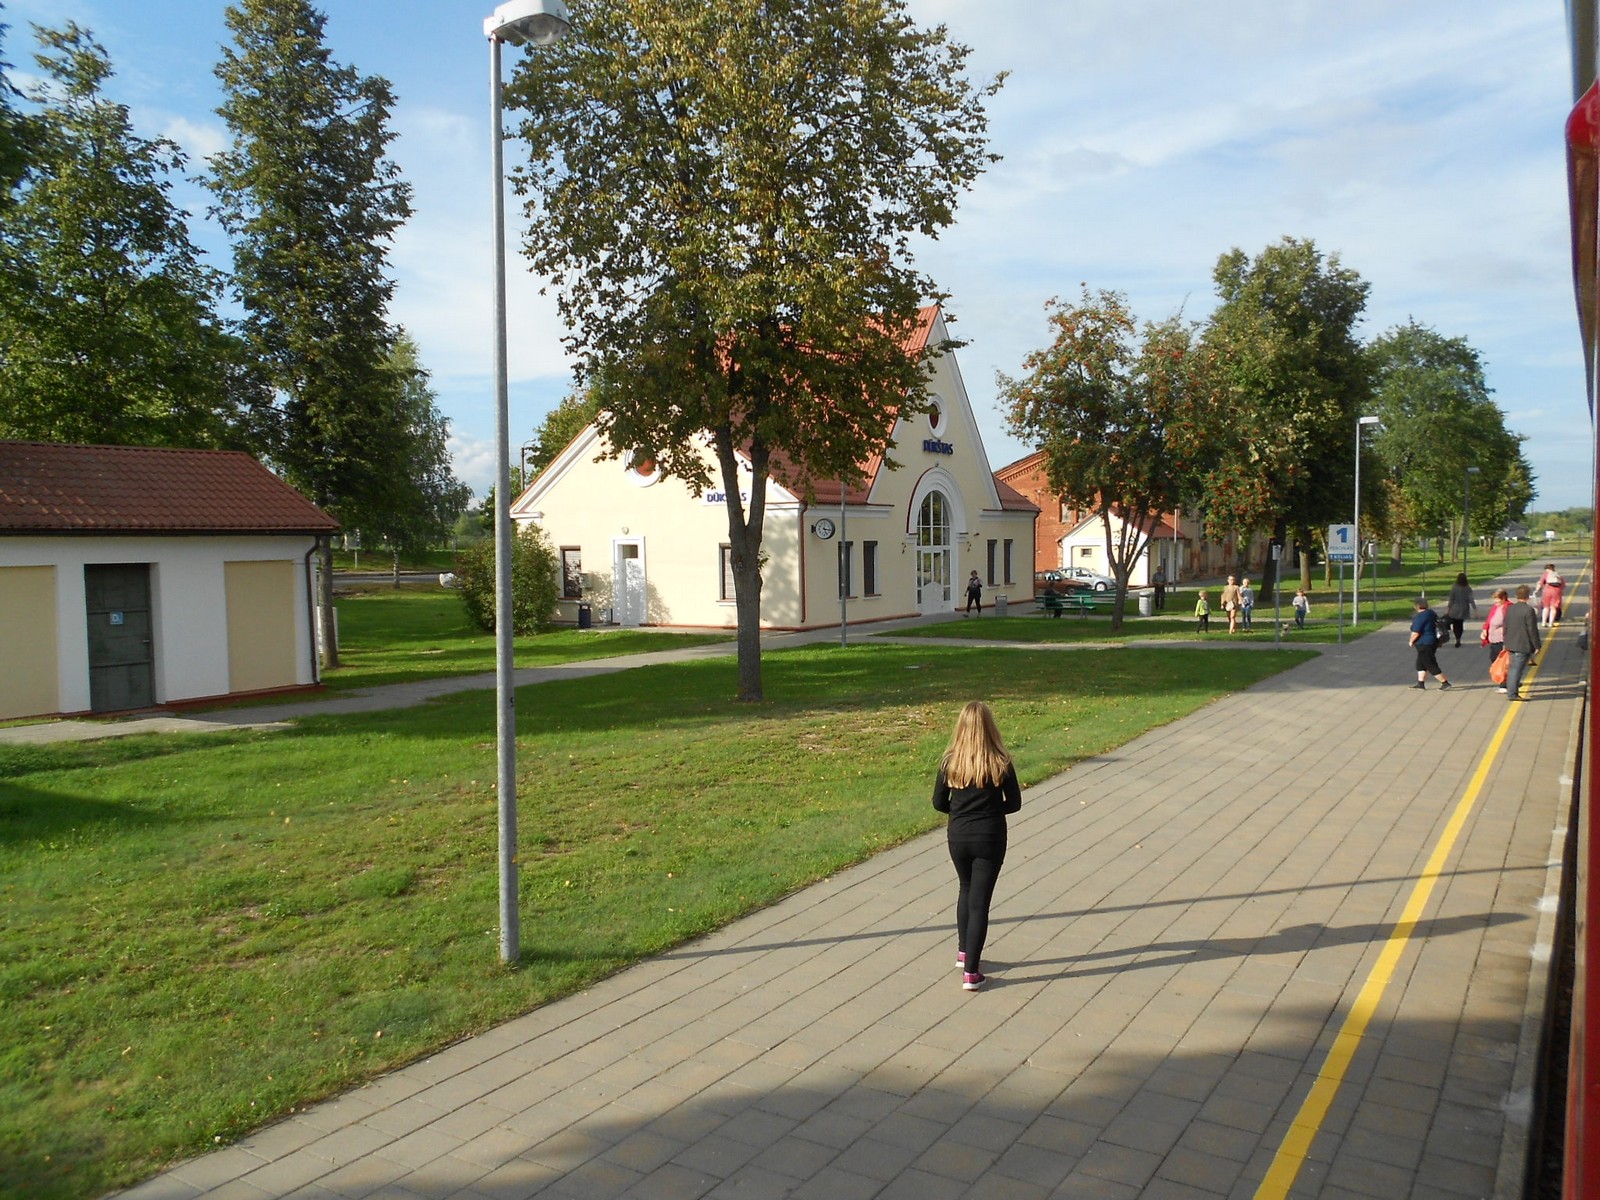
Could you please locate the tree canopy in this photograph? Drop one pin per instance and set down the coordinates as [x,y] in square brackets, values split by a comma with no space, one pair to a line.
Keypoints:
[1438,420]
[1290,380]
[725,198]
[1113,408]
[108,330]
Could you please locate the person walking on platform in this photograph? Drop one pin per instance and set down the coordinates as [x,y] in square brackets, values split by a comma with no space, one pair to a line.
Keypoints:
[976,787]
[1550,587]
[1494,626]
[1459,606]
[1522,640]
[1425,640]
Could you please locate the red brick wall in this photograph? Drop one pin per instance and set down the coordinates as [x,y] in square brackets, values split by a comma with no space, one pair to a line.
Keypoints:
[1027,476]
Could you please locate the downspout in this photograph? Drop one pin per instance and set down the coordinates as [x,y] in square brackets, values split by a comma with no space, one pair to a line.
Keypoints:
[805,581]
[311,611]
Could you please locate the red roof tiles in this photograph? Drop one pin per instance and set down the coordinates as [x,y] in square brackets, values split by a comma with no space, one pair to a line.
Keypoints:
[52,488]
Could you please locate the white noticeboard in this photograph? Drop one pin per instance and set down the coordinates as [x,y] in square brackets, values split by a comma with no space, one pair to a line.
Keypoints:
[1341,543]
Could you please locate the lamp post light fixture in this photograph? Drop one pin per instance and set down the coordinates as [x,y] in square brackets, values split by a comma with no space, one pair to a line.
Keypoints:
[1466,513]
[1355,586]
[517,22]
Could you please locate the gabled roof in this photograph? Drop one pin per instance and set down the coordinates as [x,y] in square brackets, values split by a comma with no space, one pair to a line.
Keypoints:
[48,487]
[826,491]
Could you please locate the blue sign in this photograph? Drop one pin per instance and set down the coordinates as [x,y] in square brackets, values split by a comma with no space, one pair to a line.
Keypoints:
[935,446]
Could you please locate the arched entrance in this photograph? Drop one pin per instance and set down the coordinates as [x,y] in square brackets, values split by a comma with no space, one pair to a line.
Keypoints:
[933,555]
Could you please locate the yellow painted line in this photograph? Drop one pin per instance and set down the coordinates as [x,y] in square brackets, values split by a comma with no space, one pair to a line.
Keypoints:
[1296,1144]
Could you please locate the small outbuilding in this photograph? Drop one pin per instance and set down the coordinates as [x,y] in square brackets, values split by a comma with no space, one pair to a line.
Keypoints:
[134,576]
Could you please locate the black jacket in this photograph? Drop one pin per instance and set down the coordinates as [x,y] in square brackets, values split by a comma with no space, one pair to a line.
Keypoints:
[978,812]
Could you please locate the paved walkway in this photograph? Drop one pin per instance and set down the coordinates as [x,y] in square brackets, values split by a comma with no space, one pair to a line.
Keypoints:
[1292,945]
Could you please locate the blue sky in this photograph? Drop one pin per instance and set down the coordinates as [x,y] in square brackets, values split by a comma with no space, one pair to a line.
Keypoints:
[1141,139]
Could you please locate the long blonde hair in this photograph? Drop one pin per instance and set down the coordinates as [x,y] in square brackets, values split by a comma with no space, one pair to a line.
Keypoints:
[976,754]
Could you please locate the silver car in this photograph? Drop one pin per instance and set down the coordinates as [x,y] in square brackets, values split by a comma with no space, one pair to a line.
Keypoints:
[1086,578]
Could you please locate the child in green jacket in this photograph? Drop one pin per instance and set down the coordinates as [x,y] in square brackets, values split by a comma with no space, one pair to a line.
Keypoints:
[1202,614]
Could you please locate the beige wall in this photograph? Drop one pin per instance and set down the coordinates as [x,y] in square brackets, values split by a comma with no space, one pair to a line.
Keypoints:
[595,505]
[261,625]
[29,669]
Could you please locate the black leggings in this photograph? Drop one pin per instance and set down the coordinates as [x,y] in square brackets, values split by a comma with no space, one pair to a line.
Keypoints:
[978,868]
[1453,625]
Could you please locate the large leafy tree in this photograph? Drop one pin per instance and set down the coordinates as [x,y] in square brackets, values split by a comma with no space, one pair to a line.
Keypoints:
[725,197]
[1117,411]
[423,498]
[1439,418]
[108,330]
[311,201]
[1291,379]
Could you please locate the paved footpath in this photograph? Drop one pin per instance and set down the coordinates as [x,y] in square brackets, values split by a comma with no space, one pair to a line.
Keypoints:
[1292,945]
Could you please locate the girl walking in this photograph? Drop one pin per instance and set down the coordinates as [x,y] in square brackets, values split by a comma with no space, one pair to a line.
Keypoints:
[976,787]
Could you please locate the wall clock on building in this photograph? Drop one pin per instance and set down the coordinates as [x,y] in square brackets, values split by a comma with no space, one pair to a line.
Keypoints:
[823,529]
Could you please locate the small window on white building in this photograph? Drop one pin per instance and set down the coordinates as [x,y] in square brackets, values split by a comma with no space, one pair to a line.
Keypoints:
[725,572]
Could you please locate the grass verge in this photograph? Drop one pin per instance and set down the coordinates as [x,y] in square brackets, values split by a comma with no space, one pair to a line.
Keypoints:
[402,635]
[204,933]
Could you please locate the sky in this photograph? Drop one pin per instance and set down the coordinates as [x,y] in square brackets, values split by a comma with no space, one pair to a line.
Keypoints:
[1140,140]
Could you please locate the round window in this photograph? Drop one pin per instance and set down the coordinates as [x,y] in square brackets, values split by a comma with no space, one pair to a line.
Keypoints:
[642,468]
[936,416]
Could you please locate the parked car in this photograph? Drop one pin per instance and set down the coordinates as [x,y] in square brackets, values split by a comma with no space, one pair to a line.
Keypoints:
[1063,581]
[1088,579]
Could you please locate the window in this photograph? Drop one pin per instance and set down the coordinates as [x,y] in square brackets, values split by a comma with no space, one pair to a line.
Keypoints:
[992,545]
[1009,544]
[846,549]
[725,571]
[869,568]
[571,572]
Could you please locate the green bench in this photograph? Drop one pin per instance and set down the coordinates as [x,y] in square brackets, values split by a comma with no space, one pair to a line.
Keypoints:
[1056,603]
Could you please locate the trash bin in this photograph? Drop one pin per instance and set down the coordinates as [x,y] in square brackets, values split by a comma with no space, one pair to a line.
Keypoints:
[585,616]
[1145,602]
[999,604]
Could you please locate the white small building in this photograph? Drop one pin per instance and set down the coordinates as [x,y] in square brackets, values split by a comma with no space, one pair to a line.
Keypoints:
[136,576]
[1084,545]
[640,549]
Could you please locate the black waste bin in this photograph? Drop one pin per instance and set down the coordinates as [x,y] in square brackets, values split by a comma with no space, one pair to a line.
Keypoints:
[585,616]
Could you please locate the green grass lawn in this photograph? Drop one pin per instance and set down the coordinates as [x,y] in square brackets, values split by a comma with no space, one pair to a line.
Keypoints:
[204,932]
[401,635]
[1397,590]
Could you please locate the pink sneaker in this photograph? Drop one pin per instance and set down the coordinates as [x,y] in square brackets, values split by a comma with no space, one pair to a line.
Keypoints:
[972,981]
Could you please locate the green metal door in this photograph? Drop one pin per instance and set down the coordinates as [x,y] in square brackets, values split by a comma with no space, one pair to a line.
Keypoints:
[121,650]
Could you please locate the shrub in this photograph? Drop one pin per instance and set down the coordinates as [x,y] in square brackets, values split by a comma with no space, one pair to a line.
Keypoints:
[535,582]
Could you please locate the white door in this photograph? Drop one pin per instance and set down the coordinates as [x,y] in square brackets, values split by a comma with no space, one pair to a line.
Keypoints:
[628,571]
[933,556]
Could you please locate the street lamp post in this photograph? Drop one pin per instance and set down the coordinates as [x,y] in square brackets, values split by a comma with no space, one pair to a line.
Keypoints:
[1466,513]
[540,22]
[1355,586]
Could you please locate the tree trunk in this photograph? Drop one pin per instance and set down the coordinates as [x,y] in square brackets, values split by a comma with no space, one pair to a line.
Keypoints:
[744,546]
[395,578]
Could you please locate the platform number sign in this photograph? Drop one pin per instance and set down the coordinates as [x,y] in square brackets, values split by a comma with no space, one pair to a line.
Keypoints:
[1341,543]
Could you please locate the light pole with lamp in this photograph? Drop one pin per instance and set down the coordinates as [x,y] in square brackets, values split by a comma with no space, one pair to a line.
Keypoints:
[1466,513]
[541,23]
[1355,585]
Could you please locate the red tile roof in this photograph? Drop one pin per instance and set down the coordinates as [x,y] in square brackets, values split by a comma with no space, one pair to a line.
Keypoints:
[48,487]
